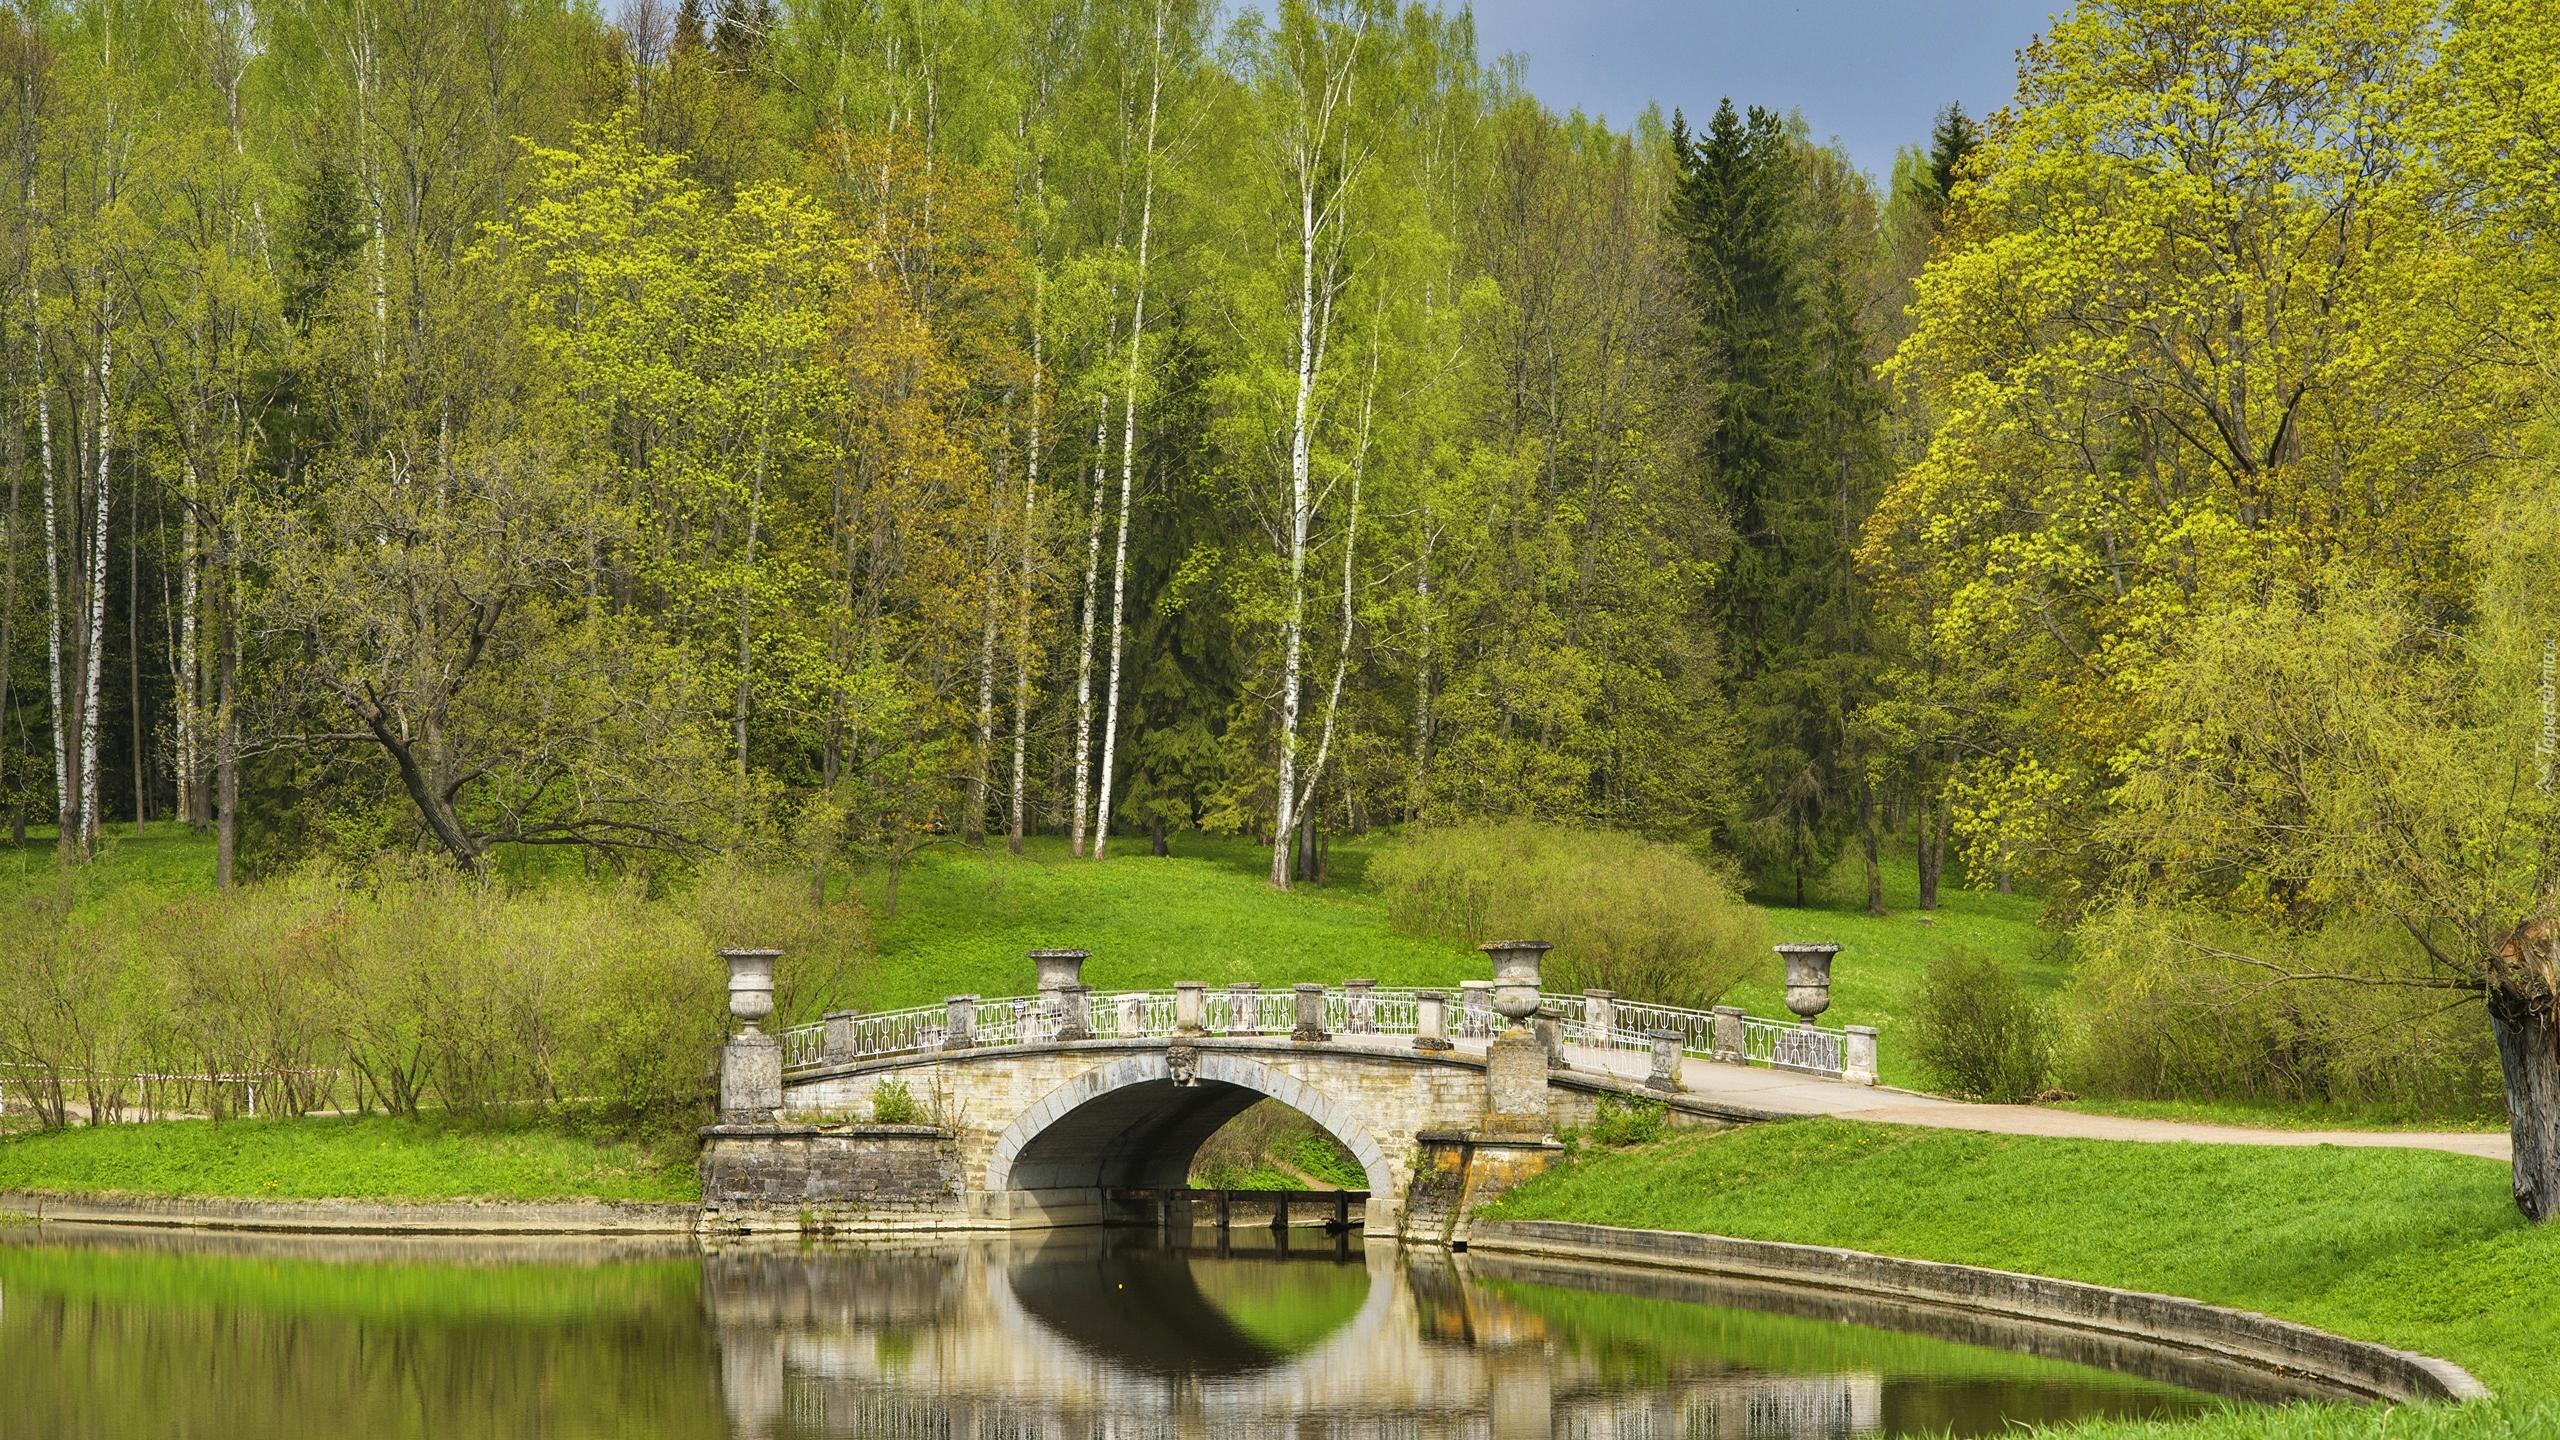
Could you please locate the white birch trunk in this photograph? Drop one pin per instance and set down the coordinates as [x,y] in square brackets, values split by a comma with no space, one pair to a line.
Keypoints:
[1084,653]
[1293,625]
[1022,637]
[52,585]
[1129,450]
[94,643]
[1350,548]
[976,828]
[190,798]
[1422,677]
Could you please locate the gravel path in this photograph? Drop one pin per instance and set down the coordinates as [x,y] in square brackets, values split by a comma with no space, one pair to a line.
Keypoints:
[1792,1094]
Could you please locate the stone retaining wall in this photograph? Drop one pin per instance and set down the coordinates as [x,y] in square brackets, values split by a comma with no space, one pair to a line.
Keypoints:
[359,1217]
[821,1178]
[2354,1367]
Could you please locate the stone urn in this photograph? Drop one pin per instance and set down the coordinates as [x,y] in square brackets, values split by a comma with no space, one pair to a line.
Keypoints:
[750,984]
[1059,969]
[1515,977]
[1808,978]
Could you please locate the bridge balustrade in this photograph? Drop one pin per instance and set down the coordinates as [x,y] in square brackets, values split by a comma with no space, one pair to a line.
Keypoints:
[1149,1014]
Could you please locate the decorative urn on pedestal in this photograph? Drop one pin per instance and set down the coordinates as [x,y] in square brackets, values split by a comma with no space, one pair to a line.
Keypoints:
[1808,995]
[1516,1063]
[751,1063]
[1808,978]
[1515,978]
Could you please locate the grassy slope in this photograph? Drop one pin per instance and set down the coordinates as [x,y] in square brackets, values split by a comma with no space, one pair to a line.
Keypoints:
[965,920]
[2416,1249]
[324,1157]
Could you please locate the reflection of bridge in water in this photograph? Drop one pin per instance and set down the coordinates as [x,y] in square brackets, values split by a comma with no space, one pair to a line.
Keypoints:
[1094,1336]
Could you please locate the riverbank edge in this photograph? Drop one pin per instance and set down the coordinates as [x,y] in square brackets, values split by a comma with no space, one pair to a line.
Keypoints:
[360,1217]
[2240,1337]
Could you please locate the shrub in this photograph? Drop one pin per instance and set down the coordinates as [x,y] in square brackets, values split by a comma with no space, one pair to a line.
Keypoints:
[1979,1034]
[892,1103]
[402,989]
[1621,1123]
[1648,920]
[2165,1011]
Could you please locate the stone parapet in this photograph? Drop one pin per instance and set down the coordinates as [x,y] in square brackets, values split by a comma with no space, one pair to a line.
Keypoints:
[2355,1368]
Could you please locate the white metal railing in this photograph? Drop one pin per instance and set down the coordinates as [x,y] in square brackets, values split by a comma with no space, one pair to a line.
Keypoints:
[1143,1014]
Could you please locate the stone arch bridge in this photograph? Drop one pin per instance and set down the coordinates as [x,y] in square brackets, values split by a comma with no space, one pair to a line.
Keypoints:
[1026,1111]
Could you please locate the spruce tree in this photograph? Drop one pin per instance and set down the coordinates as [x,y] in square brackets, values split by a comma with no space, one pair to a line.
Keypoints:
[1793,455]
[1951,142]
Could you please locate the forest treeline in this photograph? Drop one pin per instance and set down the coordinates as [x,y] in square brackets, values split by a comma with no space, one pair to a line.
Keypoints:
[828,429]
[825,429]
[469,424]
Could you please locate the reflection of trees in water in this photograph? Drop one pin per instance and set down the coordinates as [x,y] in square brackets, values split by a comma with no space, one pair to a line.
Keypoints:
[217,1337]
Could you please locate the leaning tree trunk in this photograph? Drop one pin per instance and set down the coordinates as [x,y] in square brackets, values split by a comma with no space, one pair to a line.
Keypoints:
[2530,1061]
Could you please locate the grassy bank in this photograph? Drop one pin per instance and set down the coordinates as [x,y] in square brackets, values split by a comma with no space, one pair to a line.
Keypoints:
[347,1158]
[2415,1249]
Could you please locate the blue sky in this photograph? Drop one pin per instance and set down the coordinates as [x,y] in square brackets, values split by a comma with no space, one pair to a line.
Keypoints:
[1870,72]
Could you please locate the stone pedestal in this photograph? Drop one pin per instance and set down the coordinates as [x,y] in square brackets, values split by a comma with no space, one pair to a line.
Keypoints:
[1475,1008]
[839,1035]
[1859,1065]
[1666,1061]
[960,1022]
[1360,1007]
[750,1080]
[1133,1016]
[1599,1017]
[1430,1020]
[1190,1008]
[1073,1023]
[1728,1036]
[1244,1008]
[1515,1078]
[1548,1026]
[1309,1029]
[1057,971]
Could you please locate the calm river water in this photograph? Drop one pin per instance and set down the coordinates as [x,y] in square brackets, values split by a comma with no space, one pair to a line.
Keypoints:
[1062,1337]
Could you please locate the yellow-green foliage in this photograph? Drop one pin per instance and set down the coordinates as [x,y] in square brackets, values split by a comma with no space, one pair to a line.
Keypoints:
[418,989]
[1645,919]
[2163,1008]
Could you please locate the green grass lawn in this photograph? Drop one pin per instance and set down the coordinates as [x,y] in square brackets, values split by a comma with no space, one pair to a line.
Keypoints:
[2415,1249]
[965,920]
[347,1158]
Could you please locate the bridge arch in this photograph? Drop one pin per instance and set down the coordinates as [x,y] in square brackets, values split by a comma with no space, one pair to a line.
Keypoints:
[1128,1123]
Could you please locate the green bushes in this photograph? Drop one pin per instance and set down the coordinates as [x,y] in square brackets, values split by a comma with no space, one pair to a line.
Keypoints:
[400,992]
[892,1103]
[1978,1033]
[1621,1123]
[1647,920]
[2167,1009]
